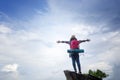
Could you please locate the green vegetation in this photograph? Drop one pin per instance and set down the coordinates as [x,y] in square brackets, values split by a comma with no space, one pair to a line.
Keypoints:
[98,73]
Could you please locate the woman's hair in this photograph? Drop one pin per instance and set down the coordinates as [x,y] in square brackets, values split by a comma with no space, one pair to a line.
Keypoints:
[73,38]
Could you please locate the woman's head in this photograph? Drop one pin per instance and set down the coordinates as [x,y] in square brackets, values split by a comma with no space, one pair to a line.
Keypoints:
[73,38]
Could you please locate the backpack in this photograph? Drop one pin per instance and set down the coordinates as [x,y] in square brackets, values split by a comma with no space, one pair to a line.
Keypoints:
[74,44]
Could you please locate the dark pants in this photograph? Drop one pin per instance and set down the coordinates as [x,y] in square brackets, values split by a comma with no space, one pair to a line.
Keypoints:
[75,59]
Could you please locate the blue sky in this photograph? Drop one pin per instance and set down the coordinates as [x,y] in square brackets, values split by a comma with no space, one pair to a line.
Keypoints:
[29,30]
[21,9]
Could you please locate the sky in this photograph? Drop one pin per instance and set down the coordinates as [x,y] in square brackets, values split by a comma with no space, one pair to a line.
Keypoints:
[29,30]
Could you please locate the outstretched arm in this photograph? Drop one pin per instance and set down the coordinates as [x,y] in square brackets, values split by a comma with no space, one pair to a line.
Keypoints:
[87,40]
[63,42]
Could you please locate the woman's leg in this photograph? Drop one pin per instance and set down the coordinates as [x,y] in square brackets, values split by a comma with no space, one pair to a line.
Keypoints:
[78,63]
[73,63]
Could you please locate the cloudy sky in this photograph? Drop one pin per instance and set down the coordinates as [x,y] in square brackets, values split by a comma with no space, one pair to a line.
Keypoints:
[29,30]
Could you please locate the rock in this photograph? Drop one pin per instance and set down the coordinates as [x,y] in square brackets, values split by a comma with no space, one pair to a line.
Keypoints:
[70,75]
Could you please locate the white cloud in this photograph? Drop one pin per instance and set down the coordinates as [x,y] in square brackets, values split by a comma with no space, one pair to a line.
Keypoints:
[111,54]
[10,72]
[4,29]
[102,66]
[10,68]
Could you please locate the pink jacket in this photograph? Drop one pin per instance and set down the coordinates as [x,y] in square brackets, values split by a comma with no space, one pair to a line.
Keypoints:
[74,44]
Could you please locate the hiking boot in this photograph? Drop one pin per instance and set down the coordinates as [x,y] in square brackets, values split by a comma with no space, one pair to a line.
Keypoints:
[79,73]
[75,71]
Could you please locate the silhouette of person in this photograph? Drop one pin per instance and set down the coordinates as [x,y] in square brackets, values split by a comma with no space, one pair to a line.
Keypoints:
[74,44]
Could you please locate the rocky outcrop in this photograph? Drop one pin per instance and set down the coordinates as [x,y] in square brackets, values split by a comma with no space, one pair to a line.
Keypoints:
[70,75]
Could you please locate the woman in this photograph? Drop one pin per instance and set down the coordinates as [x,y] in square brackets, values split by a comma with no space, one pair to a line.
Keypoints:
[74,44]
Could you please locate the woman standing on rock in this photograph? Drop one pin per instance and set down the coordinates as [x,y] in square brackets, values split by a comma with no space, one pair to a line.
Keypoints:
[74,44]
